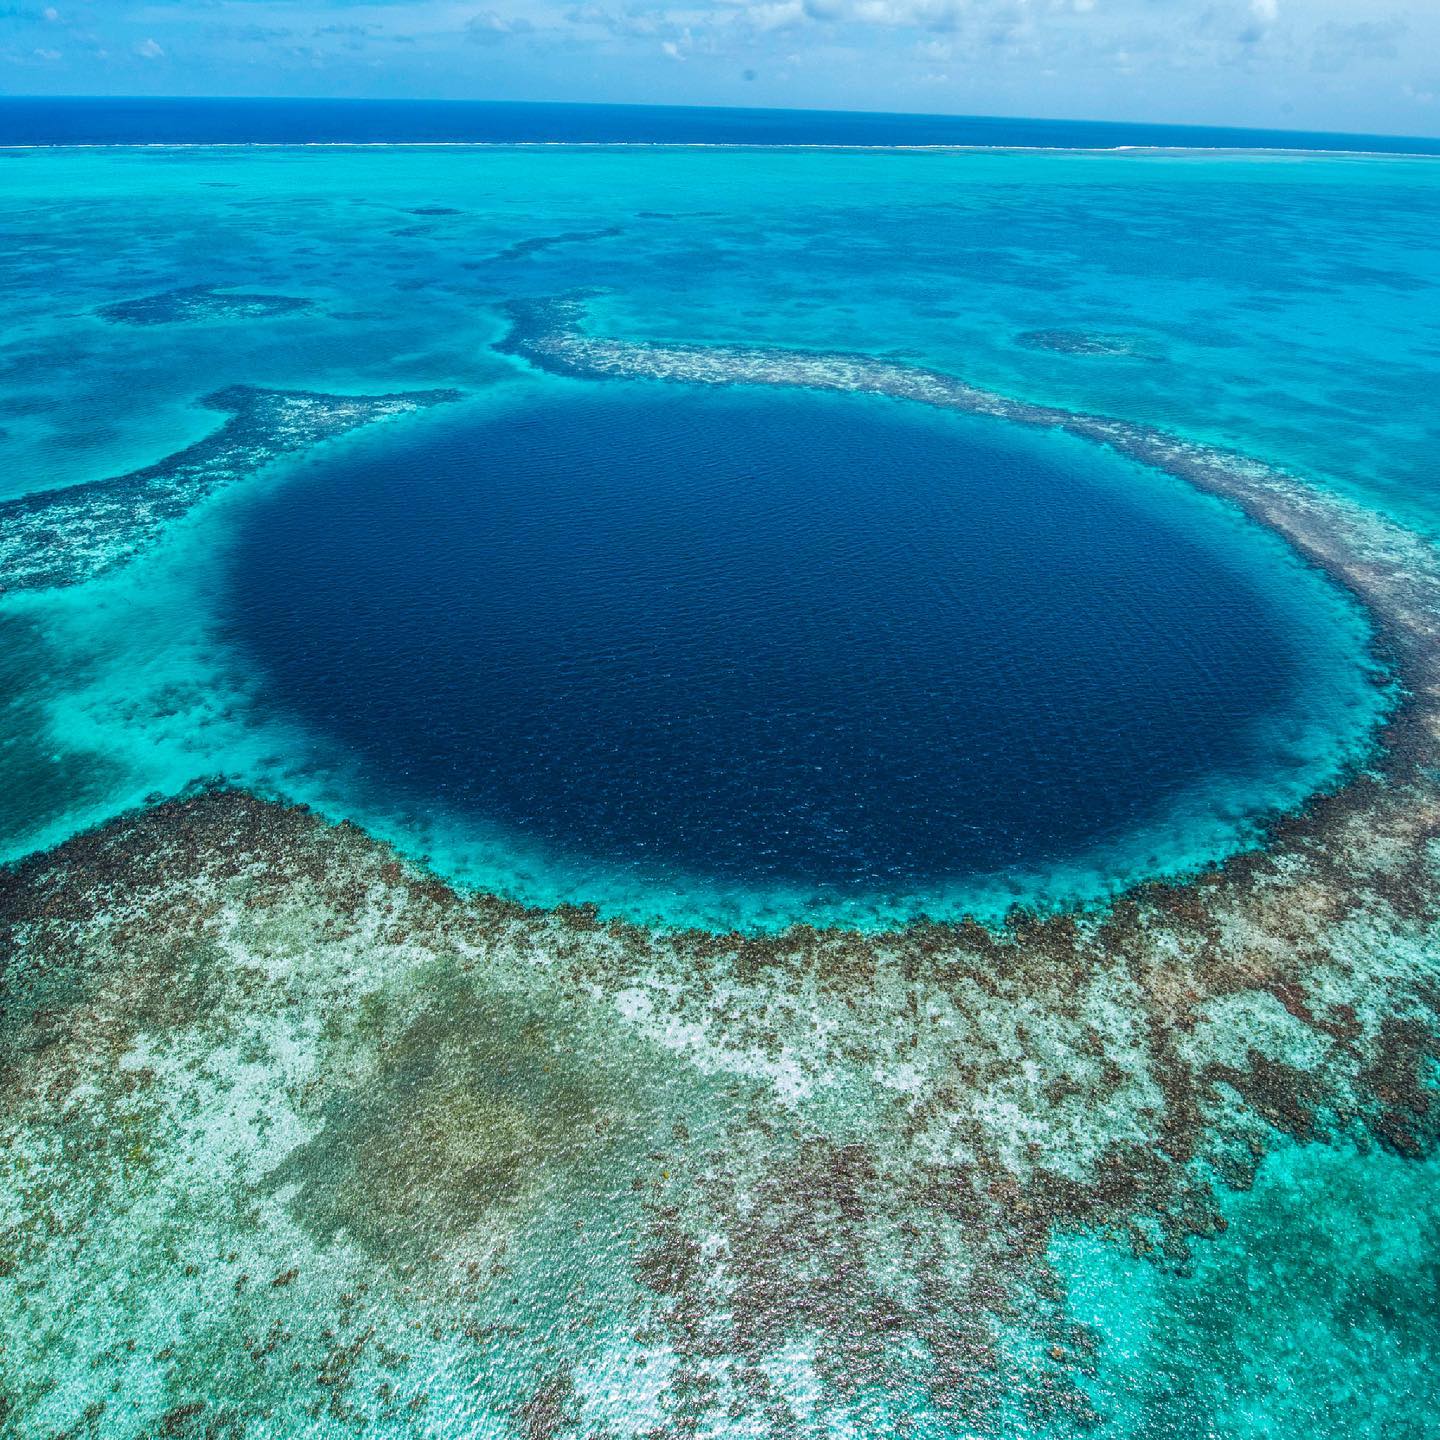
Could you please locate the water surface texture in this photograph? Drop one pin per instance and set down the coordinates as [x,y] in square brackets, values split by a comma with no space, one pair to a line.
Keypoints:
[838,647]
[518,662]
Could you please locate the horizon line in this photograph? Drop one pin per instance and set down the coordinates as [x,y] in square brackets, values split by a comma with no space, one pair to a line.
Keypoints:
[638,105]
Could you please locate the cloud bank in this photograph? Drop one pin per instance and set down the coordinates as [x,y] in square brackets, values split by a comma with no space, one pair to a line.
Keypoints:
[1320,64]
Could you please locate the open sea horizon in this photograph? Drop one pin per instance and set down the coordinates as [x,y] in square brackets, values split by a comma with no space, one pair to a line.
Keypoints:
[86,120]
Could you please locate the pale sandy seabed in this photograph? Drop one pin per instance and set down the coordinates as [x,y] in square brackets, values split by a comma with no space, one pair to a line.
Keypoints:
[297,1138]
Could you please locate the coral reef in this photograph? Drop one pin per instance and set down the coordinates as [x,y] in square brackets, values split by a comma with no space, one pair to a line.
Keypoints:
[535,243]
[66,536]
[191,303]
[857,1147]
[1082,342]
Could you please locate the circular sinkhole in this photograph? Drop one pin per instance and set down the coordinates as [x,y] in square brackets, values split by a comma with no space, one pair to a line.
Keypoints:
[835,649]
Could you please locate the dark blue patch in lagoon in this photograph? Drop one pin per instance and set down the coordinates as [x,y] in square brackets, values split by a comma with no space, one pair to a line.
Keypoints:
[768,639]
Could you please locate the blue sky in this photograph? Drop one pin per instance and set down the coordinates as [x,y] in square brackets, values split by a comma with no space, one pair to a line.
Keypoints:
[1315,64]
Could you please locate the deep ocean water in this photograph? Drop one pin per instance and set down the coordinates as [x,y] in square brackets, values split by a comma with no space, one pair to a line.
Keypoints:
[810,648]
[518,665]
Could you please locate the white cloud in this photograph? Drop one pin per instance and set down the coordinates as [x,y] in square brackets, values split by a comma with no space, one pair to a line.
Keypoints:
[1341,64]
[902,14]
[774,16]
[487,26]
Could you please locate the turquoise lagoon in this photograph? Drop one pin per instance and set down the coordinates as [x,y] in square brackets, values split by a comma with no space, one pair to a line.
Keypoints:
[312,626]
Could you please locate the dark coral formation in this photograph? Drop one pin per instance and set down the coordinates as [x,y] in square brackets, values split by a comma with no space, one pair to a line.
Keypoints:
[877,1136]
[190,303]
[63,537]
[1082,342]
[521,249]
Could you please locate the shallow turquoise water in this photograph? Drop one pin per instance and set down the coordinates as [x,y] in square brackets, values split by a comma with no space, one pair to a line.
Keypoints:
[1316,1313]
[1282,301]
[1282,306]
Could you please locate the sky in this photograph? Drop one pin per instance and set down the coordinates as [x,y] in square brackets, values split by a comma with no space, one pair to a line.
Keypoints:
[1359,65]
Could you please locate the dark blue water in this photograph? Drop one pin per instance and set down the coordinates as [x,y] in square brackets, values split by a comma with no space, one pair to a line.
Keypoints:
[804,640]
[110,121]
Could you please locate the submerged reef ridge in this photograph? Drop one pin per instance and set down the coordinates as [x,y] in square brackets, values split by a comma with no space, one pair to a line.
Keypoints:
[1083,342]
[190,303]
[521,249]
[334,1139]
[61,537]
